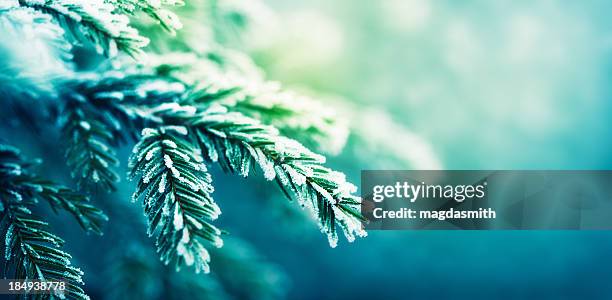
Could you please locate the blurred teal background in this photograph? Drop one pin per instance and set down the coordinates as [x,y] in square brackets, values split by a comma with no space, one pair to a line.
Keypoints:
[489,85]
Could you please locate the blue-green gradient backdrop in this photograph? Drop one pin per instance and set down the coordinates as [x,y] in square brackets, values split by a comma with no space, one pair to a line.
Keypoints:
[490,85]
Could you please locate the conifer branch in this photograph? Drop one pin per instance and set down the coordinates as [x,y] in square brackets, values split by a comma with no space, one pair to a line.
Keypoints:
[294,115]
[155,9]
[229,79]
[188,118]
[31,250]
[23,184]
[34,252]
[88,216]
[237,142]
[175,188]
[89,137]
[95,22]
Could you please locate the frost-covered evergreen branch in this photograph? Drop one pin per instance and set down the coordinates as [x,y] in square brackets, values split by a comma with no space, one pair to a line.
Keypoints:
[184,76]
[154,8]
[219,111]
[89,137]
[183,108]
[34,252]
[294,115]
[61,198]
[175,188]
[228,78]
[105,24]
[31,250]
[237,142]
[99,114]
[20,182]
[95,22]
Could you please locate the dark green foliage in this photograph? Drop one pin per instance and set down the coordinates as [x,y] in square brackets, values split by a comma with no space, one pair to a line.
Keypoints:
[21,183]
[34,252]
[30,249]
[90,152]
[60,198]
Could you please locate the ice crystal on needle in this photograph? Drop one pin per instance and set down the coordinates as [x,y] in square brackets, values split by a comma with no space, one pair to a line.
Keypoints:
[93,22]
[190,127]
[31,250]
[178,203]
[239,141]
